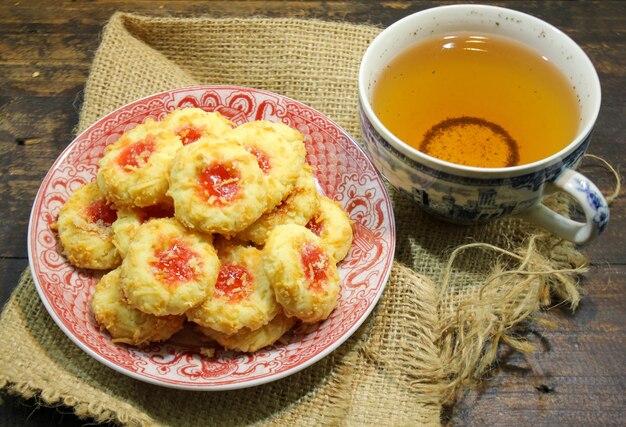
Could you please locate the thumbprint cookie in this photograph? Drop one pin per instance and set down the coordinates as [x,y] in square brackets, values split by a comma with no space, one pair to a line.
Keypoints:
[168,269]
[127,324]
[280,153]
[247,340]
[217,186]
[84,228]
[333,226]
[189,124]
[134,169]
[298,208]
[242,297]
[302,273]
[129,219]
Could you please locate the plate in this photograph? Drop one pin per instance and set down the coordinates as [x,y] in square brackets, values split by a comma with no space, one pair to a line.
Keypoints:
[343,172]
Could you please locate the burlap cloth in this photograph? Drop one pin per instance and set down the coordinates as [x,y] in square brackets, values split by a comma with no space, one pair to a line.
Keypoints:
[439,323]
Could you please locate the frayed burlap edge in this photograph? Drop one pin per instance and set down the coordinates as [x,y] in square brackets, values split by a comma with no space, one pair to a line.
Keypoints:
[472,329]
[46,393]
[538,275]
[340,396]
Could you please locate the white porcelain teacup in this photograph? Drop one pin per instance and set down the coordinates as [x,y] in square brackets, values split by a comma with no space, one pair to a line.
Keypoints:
[466,194]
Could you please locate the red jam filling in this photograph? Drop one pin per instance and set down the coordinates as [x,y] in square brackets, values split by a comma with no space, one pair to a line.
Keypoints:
[177,263]
[314,263]
[219,183]
[189,134]
[155,211]
[101,212]
[262,159]
[234,283]
[315,226]
[136,154]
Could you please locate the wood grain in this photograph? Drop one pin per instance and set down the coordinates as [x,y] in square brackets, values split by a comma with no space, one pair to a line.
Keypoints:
[578,375]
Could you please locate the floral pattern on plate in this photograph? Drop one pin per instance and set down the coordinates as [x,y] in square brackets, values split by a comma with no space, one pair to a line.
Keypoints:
[343,172]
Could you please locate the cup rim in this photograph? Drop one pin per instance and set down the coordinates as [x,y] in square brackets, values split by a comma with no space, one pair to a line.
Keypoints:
[455,168]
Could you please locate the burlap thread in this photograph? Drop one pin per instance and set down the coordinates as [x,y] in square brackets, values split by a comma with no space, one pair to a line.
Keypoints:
[454,296]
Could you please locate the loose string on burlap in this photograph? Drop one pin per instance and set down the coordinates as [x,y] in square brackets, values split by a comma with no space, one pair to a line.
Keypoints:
[472,329]
[610,198]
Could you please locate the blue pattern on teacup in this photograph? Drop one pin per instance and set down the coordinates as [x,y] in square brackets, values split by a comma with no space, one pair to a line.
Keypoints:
[595,201]
[459,198]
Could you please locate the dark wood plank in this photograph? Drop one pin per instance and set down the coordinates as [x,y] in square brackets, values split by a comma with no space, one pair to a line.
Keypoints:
[11,270]
[577,376]
[33,132]
[15,412]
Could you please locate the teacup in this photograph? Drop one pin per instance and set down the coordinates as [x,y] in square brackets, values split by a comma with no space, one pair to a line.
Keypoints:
[468,194]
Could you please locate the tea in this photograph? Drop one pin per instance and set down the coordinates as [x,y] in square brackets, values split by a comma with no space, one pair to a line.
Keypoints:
[477,100]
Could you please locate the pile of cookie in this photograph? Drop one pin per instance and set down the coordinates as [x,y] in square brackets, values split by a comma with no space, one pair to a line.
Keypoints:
[204,222]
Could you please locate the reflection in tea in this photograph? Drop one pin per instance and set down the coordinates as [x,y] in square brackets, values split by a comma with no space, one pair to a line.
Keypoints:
[477,100]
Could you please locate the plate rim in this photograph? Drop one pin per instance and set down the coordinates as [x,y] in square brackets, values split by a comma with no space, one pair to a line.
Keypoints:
[238,384]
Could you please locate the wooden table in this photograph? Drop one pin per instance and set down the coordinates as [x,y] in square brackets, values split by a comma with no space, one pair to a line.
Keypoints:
[578,376]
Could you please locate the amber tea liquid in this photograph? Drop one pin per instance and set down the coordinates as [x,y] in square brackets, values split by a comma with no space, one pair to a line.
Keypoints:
[477,100]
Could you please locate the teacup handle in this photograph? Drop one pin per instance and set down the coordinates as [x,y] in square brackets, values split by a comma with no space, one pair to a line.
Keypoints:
[589,198]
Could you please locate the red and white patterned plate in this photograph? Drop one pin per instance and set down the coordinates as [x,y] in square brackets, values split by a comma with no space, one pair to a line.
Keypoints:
[343,172]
